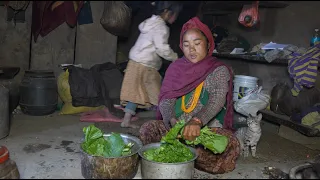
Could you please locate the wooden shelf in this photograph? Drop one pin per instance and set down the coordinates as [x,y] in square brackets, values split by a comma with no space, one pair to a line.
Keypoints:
[235,5]
[285,120]
[251,58]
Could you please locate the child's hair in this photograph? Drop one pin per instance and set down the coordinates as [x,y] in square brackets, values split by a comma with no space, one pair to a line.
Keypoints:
[173,6]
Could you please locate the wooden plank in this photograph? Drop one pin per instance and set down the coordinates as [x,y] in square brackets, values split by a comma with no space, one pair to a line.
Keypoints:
[285,120]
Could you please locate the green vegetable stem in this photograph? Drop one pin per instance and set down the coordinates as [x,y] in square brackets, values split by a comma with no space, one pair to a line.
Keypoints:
[214,142]
[173,132]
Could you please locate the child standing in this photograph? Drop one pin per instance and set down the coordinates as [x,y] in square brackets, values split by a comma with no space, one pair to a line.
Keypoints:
[142,81]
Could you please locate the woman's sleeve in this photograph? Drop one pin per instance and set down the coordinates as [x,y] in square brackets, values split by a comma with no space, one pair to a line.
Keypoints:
[166,108]
[217,86]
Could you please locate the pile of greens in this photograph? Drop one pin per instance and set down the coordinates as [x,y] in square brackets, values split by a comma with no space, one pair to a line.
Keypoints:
[172,150]
[97,145]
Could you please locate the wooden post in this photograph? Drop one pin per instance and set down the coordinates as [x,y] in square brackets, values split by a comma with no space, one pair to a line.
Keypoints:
[95,45]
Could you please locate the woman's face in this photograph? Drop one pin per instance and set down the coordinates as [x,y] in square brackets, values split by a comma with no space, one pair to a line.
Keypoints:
[195,45]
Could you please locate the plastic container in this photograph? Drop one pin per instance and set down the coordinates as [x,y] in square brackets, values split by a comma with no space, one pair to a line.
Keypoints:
[8,168]
[38,93]
[242,85]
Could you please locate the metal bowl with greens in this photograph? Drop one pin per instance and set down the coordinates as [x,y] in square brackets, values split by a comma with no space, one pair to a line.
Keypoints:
[96,143]
[108,156]
[172,150]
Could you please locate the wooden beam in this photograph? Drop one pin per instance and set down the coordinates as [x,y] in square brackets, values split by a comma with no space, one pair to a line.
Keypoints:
[273,4]
[216,12]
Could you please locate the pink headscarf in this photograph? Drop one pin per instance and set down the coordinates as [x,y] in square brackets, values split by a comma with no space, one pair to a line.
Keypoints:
[195,23]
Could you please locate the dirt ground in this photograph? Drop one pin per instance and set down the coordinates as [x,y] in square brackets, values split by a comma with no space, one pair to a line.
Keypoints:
[48,147]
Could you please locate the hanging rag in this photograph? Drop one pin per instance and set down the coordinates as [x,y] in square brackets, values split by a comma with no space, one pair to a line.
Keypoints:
[17,5]
[48,15]
[303,69]
[85,14]
[249,15]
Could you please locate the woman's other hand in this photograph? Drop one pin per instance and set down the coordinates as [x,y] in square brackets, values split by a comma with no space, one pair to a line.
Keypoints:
[170,123]
[192,129]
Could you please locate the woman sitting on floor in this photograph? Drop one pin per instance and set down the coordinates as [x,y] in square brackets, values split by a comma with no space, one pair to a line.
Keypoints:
[197,88]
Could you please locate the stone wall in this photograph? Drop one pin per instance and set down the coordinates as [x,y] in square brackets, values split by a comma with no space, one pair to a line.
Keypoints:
[93,44]
[15,41]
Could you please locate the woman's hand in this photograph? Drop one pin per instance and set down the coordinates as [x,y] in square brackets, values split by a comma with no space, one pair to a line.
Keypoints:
[170,123]
[192,129]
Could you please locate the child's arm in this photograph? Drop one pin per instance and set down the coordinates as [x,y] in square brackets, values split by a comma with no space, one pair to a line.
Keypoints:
[163,49]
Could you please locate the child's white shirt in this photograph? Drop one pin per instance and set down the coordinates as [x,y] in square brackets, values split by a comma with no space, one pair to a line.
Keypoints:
[152,43]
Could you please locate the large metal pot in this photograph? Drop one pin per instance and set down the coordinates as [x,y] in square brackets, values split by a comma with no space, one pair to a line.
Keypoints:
[156,170]
[124,167]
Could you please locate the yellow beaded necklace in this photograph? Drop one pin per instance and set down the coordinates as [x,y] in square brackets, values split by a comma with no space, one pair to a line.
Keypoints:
[195,100]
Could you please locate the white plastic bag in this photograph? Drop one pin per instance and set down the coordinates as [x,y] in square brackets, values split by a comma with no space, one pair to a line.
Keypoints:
[252,103]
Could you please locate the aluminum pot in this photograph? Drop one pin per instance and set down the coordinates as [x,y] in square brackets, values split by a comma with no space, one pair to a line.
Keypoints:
[156,170]
[124,167]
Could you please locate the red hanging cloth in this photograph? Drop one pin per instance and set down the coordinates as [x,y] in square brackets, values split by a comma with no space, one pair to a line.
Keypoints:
[48,15]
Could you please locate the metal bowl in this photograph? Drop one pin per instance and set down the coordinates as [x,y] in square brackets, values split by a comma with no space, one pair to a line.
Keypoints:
[124,167]
[158,170]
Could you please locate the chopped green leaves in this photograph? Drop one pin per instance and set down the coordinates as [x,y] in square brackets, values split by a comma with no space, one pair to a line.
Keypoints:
[171,149]
[169,153]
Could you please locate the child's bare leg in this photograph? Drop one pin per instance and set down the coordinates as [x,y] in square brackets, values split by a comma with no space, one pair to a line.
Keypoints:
[126,122]
[129,112]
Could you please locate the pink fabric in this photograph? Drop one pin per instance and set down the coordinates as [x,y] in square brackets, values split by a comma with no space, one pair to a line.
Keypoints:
[183,76]
[101,116]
